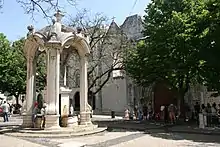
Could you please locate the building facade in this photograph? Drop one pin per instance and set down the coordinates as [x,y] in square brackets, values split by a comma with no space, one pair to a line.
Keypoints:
[112,89]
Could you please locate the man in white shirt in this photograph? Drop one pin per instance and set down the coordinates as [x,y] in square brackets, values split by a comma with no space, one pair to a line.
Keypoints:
[5,108]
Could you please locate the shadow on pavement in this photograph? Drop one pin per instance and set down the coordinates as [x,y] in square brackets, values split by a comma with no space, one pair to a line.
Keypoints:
[7,130]
[164,134]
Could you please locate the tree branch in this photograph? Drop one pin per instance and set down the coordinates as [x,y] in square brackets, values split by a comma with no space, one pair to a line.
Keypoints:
[106,80]
[42,6]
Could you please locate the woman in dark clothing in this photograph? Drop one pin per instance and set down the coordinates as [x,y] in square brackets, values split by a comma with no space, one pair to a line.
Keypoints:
[214,114]
[166,114]
[209,114]
[145,112]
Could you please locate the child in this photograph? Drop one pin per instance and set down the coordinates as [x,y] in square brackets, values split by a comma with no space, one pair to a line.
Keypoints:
[43,113]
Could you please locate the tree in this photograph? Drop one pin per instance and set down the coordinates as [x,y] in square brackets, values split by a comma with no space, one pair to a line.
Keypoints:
[12,67]
[209,43]
[18,47]
[41,72]
[42,6]
[106,49]
[174,46]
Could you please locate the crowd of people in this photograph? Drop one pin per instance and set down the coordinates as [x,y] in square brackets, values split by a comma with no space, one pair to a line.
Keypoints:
[170,114]
[211,113]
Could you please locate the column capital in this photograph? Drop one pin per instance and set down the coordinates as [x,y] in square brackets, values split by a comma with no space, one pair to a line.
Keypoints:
[51,46]
[84,59]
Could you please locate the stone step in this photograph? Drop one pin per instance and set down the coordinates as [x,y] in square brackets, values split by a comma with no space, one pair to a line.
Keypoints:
[63,135]
[61,130]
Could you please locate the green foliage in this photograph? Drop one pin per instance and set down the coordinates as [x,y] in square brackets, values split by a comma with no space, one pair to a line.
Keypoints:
[181,47]
[41,72]
[13,68]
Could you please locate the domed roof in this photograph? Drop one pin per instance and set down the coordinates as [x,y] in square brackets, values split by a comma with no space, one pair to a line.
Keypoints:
[57,34]
[65,29]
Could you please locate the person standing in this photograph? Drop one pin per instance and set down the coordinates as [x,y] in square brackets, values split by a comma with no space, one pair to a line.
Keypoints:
[71,110]
[209,114]
[214,114]
[166,114]
[34,114]
[197,111]
[218,112]
[172,110]
[203,110]
[187,111]
[150,111]
[5,108]
[145,112]
[43,114]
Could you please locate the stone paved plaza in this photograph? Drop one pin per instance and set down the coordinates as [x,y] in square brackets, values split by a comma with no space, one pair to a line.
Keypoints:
[115,138]
[118,138]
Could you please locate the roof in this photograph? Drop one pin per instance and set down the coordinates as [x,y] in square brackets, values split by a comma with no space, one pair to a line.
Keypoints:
[66,29]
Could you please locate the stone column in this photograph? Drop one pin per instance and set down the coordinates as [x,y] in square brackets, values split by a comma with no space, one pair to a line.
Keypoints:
[84,112]
[65,75]
[53,76]
[30,92]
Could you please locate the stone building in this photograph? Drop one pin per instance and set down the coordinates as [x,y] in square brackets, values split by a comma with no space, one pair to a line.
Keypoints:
[119,92]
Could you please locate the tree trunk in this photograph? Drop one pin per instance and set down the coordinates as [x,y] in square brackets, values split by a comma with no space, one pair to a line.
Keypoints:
[17,99]
[180,102]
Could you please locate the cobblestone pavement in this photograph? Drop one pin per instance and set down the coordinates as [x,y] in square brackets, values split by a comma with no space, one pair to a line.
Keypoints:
[6,141]
[120,138]
[115,138]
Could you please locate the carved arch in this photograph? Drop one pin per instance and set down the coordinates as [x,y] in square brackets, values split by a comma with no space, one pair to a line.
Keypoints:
[79,43]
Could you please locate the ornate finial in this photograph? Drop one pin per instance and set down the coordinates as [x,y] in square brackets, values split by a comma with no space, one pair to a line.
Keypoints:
[30,28]
[53,21]
[79,30]
[58,16]
[113,18]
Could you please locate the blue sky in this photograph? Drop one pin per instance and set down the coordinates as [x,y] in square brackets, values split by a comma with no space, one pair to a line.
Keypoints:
[14,22]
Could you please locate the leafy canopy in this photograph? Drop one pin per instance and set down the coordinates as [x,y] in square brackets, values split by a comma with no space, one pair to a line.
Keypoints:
[13,68]
[177,47]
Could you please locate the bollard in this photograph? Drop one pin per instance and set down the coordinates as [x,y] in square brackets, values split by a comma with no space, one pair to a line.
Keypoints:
[201,121]
[113,114]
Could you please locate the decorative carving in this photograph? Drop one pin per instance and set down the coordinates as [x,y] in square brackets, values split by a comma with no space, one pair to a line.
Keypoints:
[53,21]
[53,36]
[58,16]
[79,30]
[87,55]
[30,30]
[88,108]
[53,57]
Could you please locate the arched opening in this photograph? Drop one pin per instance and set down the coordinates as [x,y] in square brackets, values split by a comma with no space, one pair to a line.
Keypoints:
[77,101]
[69,40]
[91,100]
